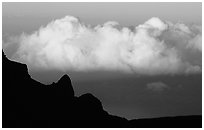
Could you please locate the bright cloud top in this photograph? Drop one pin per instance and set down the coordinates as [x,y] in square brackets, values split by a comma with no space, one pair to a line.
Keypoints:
[155,47]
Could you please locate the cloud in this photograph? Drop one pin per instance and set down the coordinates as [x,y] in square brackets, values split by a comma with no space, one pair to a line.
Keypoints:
[157,86]
[67,44]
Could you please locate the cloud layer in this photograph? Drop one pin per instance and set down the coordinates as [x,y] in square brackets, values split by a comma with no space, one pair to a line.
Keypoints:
[67,44]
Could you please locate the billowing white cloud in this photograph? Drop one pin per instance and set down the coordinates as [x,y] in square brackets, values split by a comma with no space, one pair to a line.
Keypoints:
[157,86]
[196,42]
[155,47]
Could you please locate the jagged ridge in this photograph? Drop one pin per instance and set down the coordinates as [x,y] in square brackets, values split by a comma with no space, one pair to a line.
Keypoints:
[28,103]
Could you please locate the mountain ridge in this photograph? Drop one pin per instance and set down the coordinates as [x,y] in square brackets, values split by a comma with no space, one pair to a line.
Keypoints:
[27,103]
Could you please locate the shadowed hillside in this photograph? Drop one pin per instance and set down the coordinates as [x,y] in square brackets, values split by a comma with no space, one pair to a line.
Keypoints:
[28,103]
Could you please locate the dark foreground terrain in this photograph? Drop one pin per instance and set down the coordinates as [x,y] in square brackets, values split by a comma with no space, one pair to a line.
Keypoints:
[28,103]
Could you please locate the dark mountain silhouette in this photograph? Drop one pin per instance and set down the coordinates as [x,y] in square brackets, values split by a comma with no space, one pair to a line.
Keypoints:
[27,103]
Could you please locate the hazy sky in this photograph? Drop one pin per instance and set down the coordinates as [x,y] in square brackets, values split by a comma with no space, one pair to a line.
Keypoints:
[30,16]
[151,91]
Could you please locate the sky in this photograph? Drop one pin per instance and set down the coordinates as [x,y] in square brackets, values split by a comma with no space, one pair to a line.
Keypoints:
[141,60]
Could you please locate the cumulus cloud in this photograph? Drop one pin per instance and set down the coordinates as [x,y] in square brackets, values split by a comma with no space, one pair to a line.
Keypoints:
[157,86]
[67,44]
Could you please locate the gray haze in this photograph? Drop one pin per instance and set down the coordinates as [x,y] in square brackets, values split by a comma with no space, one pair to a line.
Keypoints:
[18,17]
